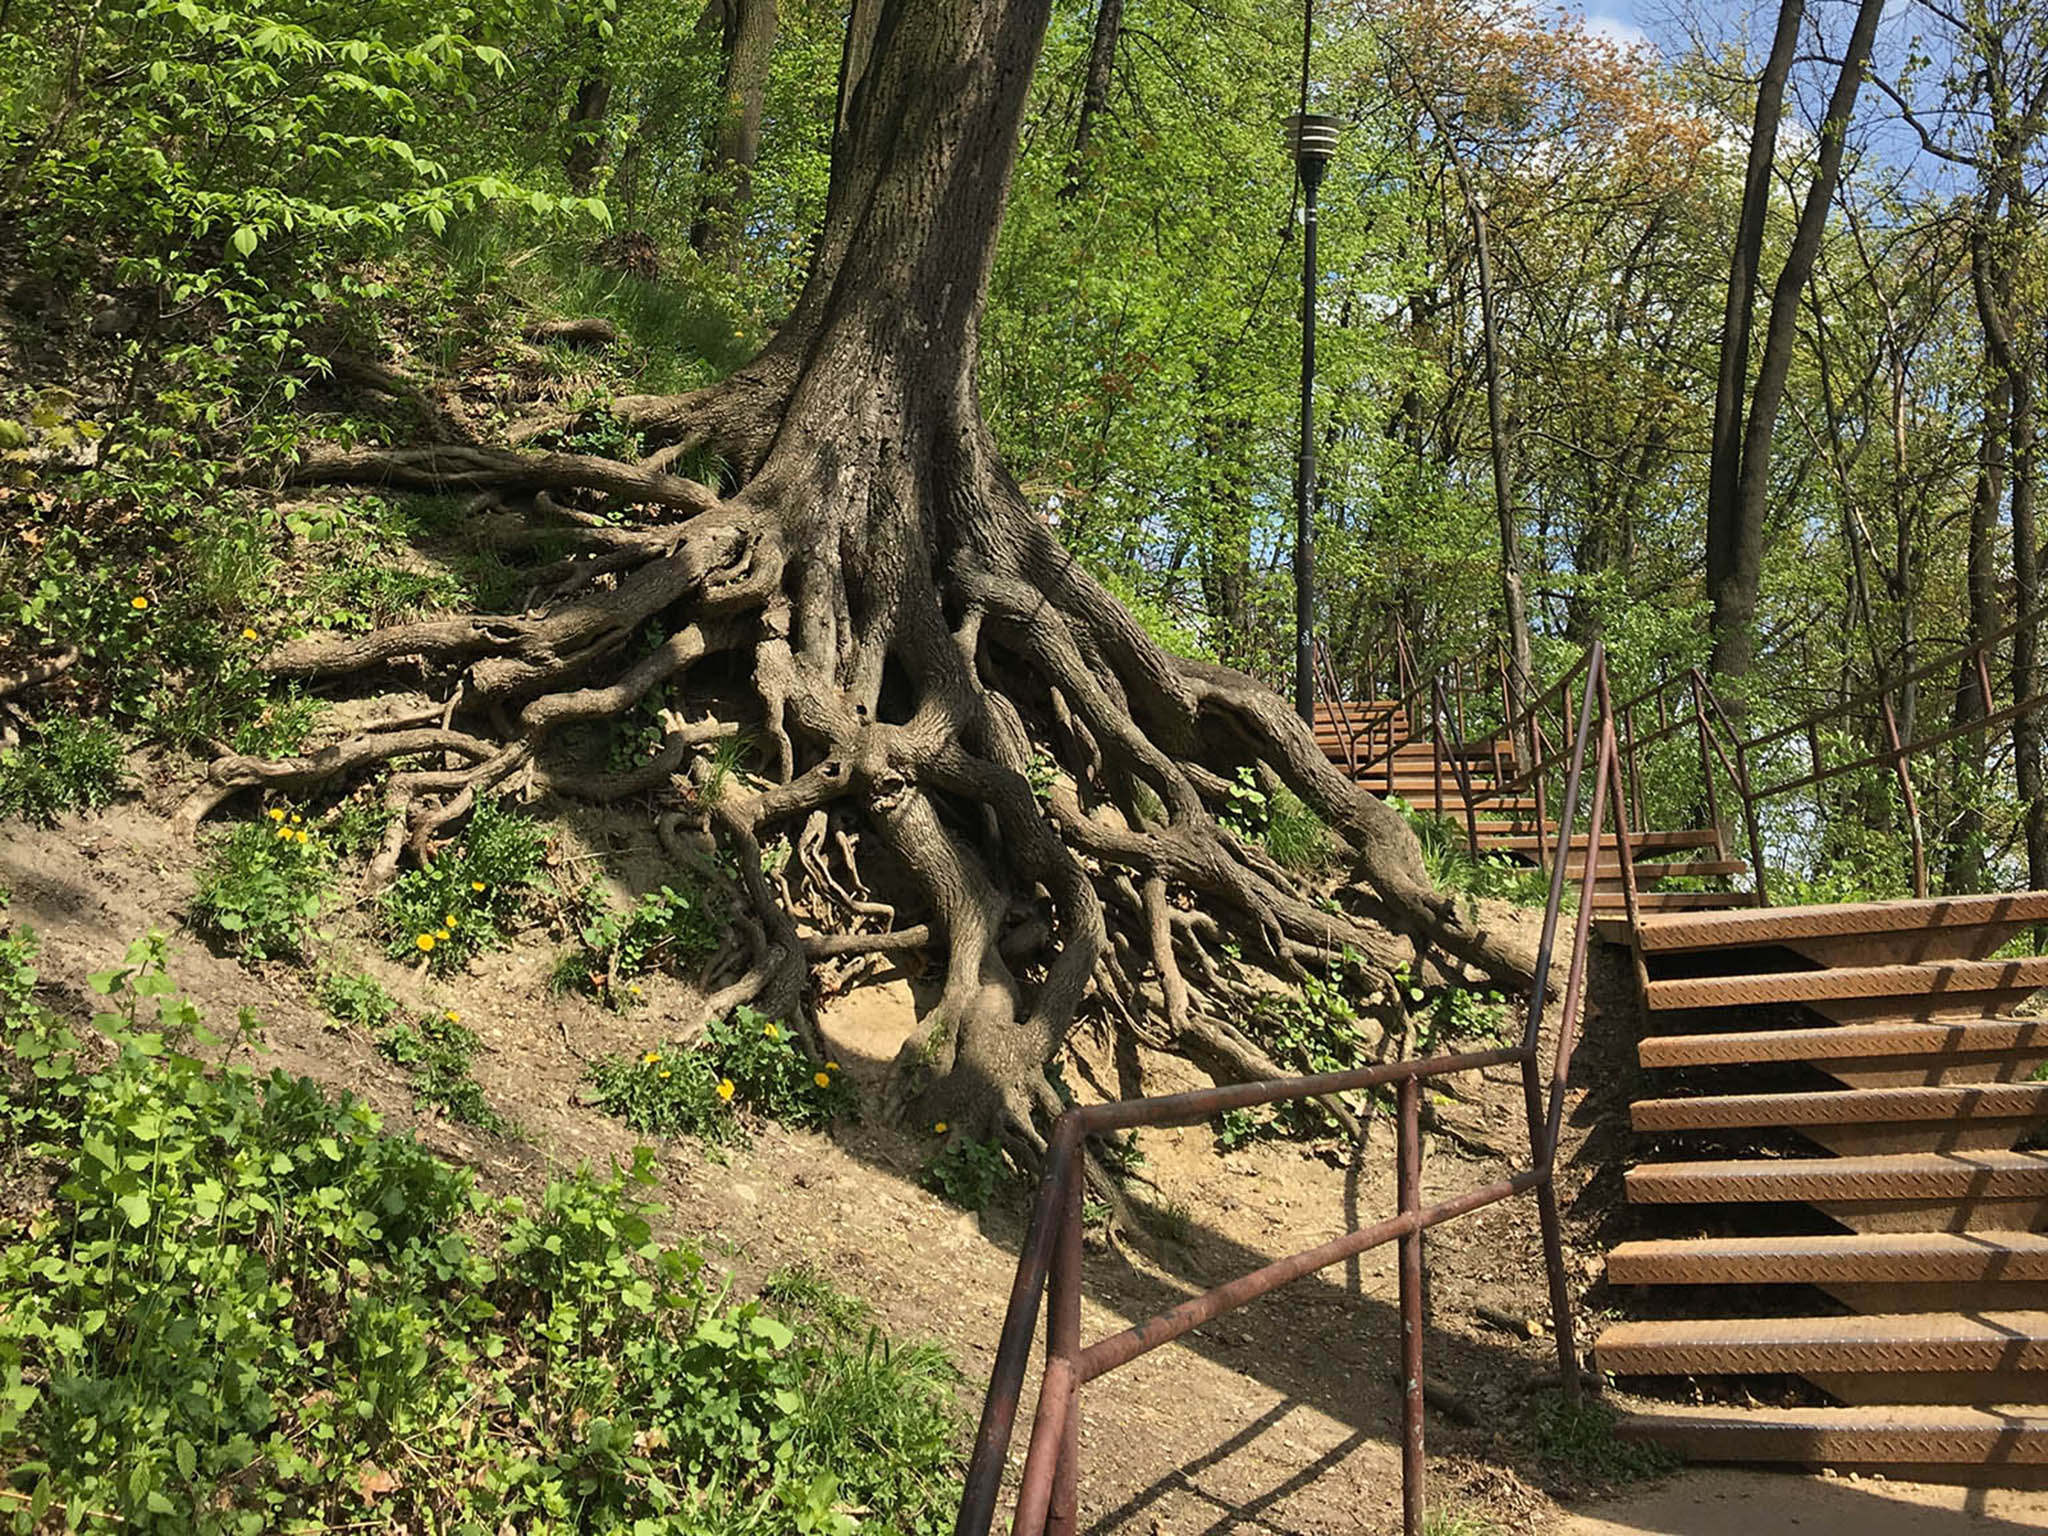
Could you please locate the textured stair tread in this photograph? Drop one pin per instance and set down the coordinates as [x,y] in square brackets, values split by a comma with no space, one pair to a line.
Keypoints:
[1870,1435]
[1771,925]
[1833,1258]
[1641,842]
[1609,900]
[1932,978]
[1890,1176]
[1841,1042]
[1890,1341]
[1843,1106]
[1659,869]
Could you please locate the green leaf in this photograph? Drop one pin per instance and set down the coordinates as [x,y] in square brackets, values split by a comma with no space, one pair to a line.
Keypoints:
[243,241]
[135,1207]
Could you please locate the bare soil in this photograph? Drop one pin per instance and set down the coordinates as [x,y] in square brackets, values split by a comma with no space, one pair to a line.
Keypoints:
[1280,1418]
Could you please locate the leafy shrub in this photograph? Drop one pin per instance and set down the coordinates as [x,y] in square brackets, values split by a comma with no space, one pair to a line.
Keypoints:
[772,1076]
[745,1060]
[1316,1029]
[663,930]
[972,1174]
[356,999]
[670,1091]
[461,904]
[242,1308]
[436,1052]
[66,765]
[261,888]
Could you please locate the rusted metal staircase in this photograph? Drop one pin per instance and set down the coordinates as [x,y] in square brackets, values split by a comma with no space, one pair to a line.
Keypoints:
[1842,1112]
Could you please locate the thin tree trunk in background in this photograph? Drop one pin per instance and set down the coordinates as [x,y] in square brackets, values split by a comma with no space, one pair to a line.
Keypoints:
[1965,864]
[1735,536]
[586,132]
[1109,26]
[746,30]
[1724,474]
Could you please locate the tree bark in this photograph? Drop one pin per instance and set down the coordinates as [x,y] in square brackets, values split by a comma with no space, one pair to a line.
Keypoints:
[1736,503]
[1109,24]
[746,30]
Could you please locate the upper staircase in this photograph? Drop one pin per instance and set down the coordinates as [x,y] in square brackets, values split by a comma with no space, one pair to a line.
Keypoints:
[1842,1191]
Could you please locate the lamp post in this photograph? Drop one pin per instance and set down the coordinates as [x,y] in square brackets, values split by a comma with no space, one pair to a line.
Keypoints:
[1312,136]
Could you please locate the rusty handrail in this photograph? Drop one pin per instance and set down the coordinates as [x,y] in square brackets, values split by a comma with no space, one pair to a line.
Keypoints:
[1049,1265]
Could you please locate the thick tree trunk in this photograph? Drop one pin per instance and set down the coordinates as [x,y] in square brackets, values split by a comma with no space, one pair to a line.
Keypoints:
[932,675]
[746,30]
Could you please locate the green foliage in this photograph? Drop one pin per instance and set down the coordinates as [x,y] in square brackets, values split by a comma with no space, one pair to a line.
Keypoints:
[665,929]
[1581,1436]
[436,1051]
[356,1000]
[1493,875]
[1458,1522]
[465,901]
[972,1174]
[262,886]
[65,765]
[745,1060]
[771,1075]
[1450,1016]
[241,1307]
[670,1090]
[1316,1029]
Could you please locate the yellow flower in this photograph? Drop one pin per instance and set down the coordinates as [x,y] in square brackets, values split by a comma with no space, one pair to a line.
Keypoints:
[448,922]
[285,833]
[939,1129]
[276,814]
[247,633]
[772,1032]
[822,1079]
[476,885]
[452,1016]
[303,837]
[138,603]
[425,941]
[725,1088]
[662,1073]
[650,1058]
[831,1066]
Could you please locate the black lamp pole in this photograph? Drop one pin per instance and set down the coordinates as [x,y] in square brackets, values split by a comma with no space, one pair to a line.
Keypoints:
[1313,138]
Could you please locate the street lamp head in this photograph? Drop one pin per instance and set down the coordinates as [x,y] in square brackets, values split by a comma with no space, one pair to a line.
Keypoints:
[1312,139]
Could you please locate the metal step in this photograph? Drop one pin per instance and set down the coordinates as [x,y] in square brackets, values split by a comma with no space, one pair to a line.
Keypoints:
[1774,925]
[1609,870]
[1843,1042]
[1835,1258]
[1845,1106]
[1993,1343]
[1886,1436]
[1609,901]
[1641,842]
[1919,1176]
[1936,979]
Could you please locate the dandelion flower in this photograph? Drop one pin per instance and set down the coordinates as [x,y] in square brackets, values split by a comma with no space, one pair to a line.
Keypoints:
[285,833]
[831,1066]
[247,633]
[476,885]
[939,1129]
[452,1016]
[448,923]
[725,1089]
[650,1058]
[662,1073]
[425,942]
[822,1079]
[138,603]
[771,1032]
[276,814]
[297,818]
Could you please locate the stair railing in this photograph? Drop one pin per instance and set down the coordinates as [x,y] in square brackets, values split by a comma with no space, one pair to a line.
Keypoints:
[1049,1266]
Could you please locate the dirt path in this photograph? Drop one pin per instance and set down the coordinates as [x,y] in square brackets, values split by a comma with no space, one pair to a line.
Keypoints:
[1280,1418]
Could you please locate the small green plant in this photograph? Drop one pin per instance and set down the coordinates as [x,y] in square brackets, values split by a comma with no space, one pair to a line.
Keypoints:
[65,764]
[972,1174]
[1316,1029]
[1581,1436]
[1295,836]
[669,1090]
[355,999]
[771,1075]
[463,902]
[663,930]
[1171,1220]
[1244,806]
[436,1052]
[261,887]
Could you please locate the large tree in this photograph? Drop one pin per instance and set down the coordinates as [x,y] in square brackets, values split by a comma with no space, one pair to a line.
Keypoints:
[950,709]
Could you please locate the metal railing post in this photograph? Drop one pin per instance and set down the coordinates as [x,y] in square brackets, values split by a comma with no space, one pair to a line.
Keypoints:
[1408,1189]
[1063,1343]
